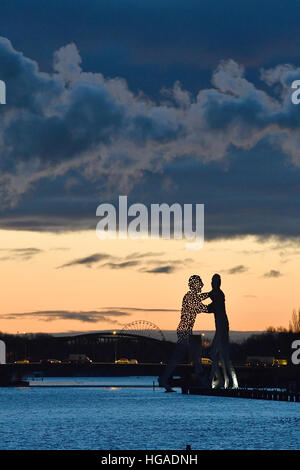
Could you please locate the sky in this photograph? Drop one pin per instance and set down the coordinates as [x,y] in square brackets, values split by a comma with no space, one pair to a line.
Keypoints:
[170,101]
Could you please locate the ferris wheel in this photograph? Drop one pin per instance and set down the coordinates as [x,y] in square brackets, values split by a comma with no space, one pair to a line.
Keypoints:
[143,328]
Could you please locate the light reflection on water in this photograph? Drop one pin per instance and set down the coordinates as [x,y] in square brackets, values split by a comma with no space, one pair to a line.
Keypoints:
[129,418]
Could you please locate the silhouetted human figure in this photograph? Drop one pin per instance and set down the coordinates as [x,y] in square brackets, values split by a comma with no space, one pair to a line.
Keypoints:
[191,306]
[220,344]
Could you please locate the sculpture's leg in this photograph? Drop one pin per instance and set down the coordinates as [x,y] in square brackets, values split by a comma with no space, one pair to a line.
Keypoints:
[224,357]
[196,353]
[177,356]
[215,379]
[225,371]
[234,379]
[231,381]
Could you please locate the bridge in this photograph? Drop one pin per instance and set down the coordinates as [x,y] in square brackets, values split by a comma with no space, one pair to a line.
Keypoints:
[140,340]
[111,346]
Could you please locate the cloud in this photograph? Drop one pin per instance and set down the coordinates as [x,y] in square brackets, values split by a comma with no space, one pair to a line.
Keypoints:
[154,266]
[87,260]
[168,269]
[89,316]
[72,125]
[138,309]
[73,118]
[237,269]
[121,265]
[138,255]
[273,273]
[23,254]
[129,261]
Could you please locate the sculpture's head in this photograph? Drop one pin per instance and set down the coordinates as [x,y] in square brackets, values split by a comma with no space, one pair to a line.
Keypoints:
[216,281]
[195,283]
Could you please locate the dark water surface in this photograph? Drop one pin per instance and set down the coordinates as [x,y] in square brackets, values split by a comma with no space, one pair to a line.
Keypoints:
[128,418]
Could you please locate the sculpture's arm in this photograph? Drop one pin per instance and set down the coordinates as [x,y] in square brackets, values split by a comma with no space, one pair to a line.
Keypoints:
[204,295]
[201,308]
[210,308]
[192,303]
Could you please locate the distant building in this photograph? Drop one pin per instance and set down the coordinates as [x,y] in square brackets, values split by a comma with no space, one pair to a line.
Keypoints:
[260,360]
[80,358]
[265,361]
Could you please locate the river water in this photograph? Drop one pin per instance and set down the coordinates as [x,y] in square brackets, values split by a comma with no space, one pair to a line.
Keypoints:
[140,418]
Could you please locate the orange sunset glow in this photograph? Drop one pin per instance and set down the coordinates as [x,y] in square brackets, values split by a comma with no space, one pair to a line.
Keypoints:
[46,288]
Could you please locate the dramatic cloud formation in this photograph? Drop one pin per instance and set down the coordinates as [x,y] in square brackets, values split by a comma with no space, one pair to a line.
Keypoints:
[73,136]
